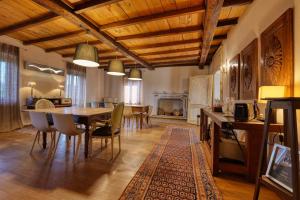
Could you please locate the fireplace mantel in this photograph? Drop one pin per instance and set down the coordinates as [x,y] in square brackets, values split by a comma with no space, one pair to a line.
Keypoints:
[176,96]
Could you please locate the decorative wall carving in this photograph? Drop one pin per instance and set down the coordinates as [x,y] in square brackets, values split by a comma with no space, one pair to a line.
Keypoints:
[249,71]
[234,76]
[277,52]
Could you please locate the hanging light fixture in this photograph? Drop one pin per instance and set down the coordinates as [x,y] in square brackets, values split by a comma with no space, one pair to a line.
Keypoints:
[86,55]
[135,74]
[116,68]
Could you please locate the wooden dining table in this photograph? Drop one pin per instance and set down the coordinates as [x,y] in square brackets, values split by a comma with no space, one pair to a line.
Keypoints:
[81,116]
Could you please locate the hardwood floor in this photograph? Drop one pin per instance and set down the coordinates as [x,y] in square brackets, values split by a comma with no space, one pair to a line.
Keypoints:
[31,177]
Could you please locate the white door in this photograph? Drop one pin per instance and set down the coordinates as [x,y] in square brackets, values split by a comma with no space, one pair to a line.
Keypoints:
[200,96]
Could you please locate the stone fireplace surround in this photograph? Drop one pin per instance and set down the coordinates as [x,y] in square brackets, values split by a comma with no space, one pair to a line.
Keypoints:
[170,105]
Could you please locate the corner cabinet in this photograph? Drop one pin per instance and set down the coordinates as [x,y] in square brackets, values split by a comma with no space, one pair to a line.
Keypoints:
[200,95]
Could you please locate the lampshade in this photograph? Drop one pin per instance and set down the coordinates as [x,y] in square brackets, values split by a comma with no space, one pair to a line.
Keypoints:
[86,55]
[271,92]
[135,74]
[116,68]
[31,84]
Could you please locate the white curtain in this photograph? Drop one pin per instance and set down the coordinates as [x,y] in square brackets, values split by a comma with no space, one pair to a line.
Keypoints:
[76,84]
[10,117]
[132,92]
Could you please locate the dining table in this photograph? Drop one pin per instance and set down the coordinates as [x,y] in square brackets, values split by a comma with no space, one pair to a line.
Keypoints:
[81,115]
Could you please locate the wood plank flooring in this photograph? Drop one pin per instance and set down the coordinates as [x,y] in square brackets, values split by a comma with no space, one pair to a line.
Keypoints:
[32,177]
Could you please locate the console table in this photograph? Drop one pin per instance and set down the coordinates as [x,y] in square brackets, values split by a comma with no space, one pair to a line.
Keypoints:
[254,136]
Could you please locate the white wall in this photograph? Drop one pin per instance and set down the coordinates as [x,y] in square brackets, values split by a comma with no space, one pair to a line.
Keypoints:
[173,80]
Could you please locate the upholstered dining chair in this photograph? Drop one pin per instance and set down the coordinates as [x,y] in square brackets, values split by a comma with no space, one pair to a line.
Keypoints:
[64,124]
[111,130]
[40,122]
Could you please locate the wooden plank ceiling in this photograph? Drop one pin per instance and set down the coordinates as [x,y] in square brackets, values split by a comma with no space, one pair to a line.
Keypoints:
[143,33]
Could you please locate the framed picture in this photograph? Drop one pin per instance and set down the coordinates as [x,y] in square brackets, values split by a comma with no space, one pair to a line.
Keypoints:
[277,67]
[249,72]
[280,167]
[234,77]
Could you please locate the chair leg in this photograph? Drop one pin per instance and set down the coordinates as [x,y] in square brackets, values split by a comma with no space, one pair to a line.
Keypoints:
[77,148]
[74,144]
[36,136]
[119,143]
[90,146]
[57,142]
[52,144]
[112,148]
[101,144]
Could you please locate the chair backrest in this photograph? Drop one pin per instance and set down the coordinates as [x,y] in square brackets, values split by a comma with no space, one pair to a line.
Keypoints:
[39,121]
[64,123]
[127,110]
[108,105]
[116,118]
[44,104]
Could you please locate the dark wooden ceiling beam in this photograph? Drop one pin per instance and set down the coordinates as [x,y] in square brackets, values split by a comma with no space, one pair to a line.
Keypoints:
[228,3]
[174,57]
[29,23]
[66,12]
[70,46]
[55,37]
[212,13]
[175,31]
[170,51]
[164,44]
[182,62]
[168,14]
[154,17]
[92,4]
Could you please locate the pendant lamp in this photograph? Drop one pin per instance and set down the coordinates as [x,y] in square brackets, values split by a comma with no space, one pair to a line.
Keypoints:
[135,74]
[86,55]
[116,68]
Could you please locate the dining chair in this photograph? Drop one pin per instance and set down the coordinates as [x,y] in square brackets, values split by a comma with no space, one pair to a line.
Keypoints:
[147,115]
[127,116]
[111,130]
[64,124]
[40,122]
[44,104]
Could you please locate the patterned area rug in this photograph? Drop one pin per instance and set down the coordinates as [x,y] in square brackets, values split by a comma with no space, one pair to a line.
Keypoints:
[175,169]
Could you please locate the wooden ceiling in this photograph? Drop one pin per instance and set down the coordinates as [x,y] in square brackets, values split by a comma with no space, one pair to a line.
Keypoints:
[149,33]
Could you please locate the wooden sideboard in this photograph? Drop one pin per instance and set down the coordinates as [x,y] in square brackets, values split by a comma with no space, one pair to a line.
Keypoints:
[253,141]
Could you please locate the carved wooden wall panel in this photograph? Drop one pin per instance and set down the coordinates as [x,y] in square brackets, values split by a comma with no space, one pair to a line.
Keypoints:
[249,71]
[277,53]
[234,77]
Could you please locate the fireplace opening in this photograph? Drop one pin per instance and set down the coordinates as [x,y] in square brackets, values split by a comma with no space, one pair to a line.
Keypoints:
[170,107]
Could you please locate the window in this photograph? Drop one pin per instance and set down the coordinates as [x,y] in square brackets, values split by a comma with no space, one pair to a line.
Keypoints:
[132,92]
[76,84]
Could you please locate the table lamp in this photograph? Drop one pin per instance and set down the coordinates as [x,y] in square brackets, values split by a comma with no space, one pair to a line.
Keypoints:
[61,87]
[276,91]
[31,84]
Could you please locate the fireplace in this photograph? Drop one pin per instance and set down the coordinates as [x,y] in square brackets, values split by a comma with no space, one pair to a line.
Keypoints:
[171,105]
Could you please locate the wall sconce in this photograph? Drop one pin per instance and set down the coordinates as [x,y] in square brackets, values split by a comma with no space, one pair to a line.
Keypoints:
[61,87]
[31,84]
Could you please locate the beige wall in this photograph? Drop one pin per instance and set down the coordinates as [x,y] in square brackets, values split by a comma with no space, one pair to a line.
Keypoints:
[259,15]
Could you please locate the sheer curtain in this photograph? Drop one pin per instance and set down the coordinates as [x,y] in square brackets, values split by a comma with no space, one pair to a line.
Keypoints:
[10,117]
[132,92]
[76,84]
